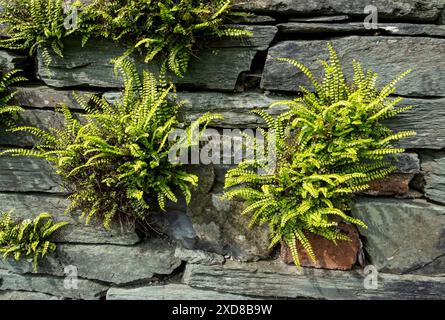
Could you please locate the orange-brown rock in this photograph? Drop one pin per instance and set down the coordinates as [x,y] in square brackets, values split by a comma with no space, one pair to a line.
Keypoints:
[393,184]
[342,256]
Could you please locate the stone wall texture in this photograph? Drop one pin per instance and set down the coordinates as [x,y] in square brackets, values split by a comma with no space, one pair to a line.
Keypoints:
[207,250]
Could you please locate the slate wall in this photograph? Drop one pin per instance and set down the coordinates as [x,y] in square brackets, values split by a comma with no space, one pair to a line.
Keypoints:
[207,250]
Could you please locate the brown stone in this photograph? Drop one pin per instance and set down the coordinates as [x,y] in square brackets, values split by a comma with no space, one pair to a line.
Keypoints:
[393,184]
[342,256]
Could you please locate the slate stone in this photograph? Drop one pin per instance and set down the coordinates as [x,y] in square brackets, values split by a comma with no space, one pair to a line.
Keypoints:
[433,172]
[214,225]
[321,19]
[217,67]
[271,279]
[28,206]
[56,286]
[11,60]
[198,256]
[120,264]
[402,236]
[416,10]
[426,119]
[26,174]
[399,29]
[25,295]
[388,56]
[38,96]
[169,292]
[43,119]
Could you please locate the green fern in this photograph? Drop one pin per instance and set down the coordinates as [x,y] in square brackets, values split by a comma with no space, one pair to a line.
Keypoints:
[116,162]
[329,145]
[28,238]
[8,110]
[167,30]
[34,24]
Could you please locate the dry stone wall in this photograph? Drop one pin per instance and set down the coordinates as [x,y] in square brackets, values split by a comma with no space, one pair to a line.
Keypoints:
[206,250]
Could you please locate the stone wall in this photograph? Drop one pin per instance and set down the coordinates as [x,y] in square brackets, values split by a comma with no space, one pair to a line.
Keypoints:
[206,250]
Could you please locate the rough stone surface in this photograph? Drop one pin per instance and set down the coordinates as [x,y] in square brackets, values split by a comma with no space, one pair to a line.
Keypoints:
[10,60]
[405,162]
[107,263]
[120,264]
[342,256]
[27,206]
[198,256]
[388,56]
[426,119]
[399,29]
[90,65]
[394,184]
[219,223]
[212,224]
[256,19]
[321,19]
[407,10]
[43,119]
[236,108]
[403,236]
[273,279]
[46,97]
[20,174]
[433,171]
[25,295]
[169,292]
[86,289]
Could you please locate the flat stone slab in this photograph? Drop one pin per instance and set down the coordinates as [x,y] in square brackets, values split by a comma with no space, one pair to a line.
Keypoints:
[43,97]
[198,256]
[399,29]
[121,264]
[433,170]
[272,279]
[26,174]
[169,292]
[403,236]
[27,206]
[388,56]
[55,286]
[235,108]
[216,68]
[407,10]
[114,264]
[321,19]
[11,60]
[25,295]
[425,118]
[42,119]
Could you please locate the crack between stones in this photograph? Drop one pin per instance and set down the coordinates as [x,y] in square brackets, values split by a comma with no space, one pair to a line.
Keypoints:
[425,265]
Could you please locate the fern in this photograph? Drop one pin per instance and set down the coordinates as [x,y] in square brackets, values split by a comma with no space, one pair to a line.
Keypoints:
[116,162]
[8,110]
[329,145]
[28,238]
[34,24]
[168,30]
